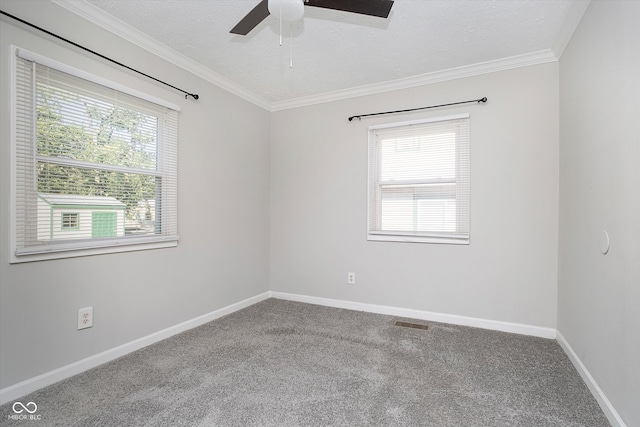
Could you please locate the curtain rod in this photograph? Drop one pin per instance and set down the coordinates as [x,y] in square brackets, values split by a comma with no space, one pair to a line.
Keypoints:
[186,94]
[415,109]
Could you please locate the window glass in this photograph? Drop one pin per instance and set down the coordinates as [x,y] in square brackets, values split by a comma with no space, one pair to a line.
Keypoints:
[98,160]
[419,181]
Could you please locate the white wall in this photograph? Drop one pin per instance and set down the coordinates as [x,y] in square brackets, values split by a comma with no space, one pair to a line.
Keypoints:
[222,256]
[295,217]
[599,295]
[319,204]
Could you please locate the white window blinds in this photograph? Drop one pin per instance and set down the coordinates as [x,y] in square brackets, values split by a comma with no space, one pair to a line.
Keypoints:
[419,175]
[94,167]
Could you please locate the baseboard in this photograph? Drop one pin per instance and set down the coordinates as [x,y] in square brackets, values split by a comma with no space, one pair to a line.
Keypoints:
[28,386]
[608,409]
[516,328]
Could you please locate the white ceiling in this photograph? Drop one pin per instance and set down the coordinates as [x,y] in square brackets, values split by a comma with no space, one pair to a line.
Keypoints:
[337,54]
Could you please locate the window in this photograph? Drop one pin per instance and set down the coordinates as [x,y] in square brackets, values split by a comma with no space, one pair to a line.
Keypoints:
[70,221]
[95,165]
[419,181]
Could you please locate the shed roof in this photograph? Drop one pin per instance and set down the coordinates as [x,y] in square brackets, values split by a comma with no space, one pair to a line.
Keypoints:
[76,200]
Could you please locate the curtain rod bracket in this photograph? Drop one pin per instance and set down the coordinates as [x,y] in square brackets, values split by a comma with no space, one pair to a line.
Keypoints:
[360,116]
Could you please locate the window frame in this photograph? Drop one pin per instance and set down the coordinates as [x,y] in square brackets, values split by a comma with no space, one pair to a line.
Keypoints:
[81,247]
[462,176]
[64,227]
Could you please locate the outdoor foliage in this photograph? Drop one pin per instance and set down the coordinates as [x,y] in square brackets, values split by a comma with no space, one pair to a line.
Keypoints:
[76,127]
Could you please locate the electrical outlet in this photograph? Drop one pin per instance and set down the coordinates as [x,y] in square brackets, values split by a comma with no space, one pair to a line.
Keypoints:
[85,318]
[351,278]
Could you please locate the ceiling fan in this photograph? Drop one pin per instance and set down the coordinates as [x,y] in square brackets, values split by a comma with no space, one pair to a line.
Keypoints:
[292,10]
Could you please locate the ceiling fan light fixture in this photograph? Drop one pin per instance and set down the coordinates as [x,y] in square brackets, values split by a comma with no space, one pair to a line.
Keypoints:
[292,10]
[286,10]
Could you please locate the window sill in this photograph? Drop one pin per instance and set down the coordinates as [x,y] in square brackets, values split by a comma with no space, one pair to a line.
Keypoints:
[72,250]
[461,240]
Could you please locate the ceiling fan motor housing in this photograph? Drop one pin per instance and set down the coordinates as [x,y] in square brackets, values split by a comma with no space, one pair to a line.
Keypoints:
[286,10]
[292,10]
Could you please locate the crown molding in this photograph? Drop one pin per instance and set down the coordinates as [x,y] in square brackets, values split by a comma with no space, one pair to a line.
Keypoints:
[127,32]
[576,12]
[518,61]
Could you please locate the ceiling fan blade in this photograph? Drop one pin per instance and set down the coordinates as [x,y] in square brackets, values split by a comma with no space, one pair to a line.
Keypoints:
[379,8]
[252,19]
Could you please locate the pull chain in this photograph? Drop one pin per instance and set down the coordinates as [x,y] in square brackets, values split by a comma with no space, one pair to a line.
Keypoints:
[280,25]
[291,45]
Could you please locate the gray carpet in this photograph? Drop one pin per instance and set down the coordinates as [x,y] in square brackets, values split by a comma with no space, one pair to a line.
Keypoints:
[282,363]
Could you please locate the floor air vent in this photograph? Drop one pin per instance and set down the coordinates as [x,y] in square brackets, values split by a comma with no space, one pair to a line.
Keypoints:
[411,325]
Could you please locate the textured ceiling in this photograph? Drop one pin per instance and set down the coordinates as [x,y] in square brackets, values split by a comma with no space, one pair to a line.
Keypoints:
[335,51]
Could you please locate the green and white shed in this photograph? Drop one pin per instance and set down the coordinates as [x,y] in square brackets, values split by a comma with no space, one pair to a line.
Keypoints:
[67,216]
